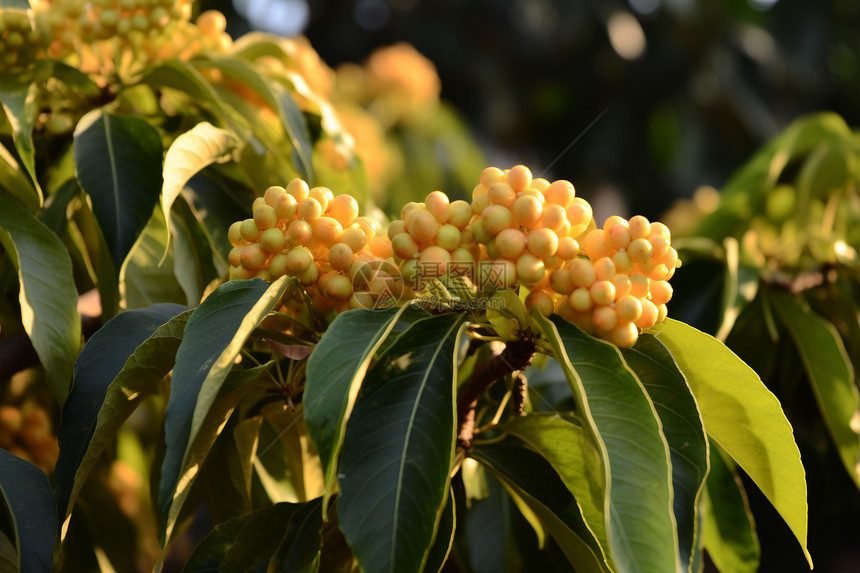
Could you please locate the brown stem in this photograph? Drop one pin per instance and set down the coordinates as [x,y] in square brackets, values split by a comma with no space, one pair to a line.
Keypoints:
[515,356]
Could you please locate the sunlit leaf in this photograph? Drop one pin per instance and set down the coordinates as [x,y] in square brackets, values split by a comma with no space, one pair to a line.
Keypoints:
[744,418]
[27,495]
[118,162]
[640,524]
[398,449]
[683,428]
[202,145]
[213,338]
[145,278]
[334,373]
[529,475]
[20,100]
[117,368]
[565,445]
[728,527]
[830,373]
[47,294]
[14,181]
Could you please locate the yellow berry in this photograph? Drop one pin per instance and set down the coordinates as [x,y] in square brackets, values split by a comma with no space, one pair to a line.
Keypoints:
[344,209]
[568,248]
[639,227]
[501,273]
[437,204]
[298,189]
[298,259]
[234,258]
[542,301]
[582,273]
[622,261]
[272,194]
[649,315]
[285,206]
[622,285]
[340,256]
[580,300]
[555,218]
[616,232]
[595,245]
[510,243]
[253,256]
[530,269]
[459,214]
[560,192]
[605,318]
[404,246]
[337,287]
[502,194]
[662,312]
[540,184]
[323,195]
[272,240]
[491,175]
[421,225]
[299,232]
[496,219]
[639,285]
[602,292]
[448,237]
[624,335]
[527,211]
[326,229]
[396,227]
[629,308]
[604,269]
[639,250]
[354,237]
[661,292]
[559,281]
[579,215]
[434,261]
[659,244]
[310,209]
[542,242]
[367,226]
[278,265]
[265,217]
[309,275]
[249,231]
[519,178]
[234,234]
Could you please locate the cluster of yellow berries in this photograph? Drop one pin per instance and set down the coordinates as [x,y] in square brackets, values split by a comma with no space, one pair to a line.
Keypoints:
[27,433]
[518,231]
[318,238]
[19,41]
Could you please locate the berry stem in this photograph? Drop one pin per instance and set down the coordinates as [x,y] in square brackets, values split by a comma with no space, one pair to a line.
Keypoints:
[514,357]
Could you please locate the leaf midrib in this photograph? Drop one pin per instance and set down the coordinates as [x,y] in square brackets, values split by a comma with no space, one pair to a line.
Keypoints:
[114,177]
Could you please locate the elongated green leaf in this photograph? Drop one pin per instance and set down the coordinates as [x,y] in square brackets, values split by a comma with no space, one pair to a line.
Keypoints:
[118,162]
[299,551]
[193,264]
[830,373]
[27,494]
[334,373]
[212,340]
[534,479]
[145,278]
[488,539]
[744,418]
[683,428]
[117,368]
[251,536]
[19,100]
[280,100]
[14,182]
[575,458]
[444,540]
[215,209]
[398,449]
[728,528]
[203,145]
[185,78]
[640,523]
[47,293]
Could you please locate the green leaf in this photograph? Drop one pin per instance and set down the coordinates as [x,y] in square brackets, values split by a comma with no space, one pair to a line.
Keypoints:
[47,295]
[683,428]
[144,278]
[299,551]
[183,77]
[728,527]
[249,537]
[530,476]
[574,457]
[15,183]
[640,524]
[117,368]
[444,541]
[280,100]
[118,162]
[333,375]
[27,495]
[213,338]
[394,468]
[830,373]
[744,418]
[193,265]
[215,209]
[19,100]
[202,145]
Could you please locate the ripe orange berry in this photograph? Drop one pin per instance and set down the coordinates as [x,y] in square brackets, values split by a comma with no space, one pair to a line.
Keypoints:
[541,300]
[527,211]
[344,209]
[629,308]
[624,335]
[555,218]
[437,204]
[234,233]
[310,209]
[579,215]
[639,285]
[285,206]
[340,256]
[602,292]
[519,178]
[323,195]
[661,292]
[559,281]
[595,245]
[299,232]
[580,300]
[604,269]
[298,260]
[605,318]
[326,229]
[560,192]
[459,214]
[639,227]
[582,273]
[496,219]
[540,184]
[502,194]
[616,232]
[568,248]
[354,237]
[649,314]
[337,287]
[421,225]
[492,175]
[622,285]
[253,257]
[381,247]
[639,250]
[404,246]
[272,194]
[542,242]
[298,189]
